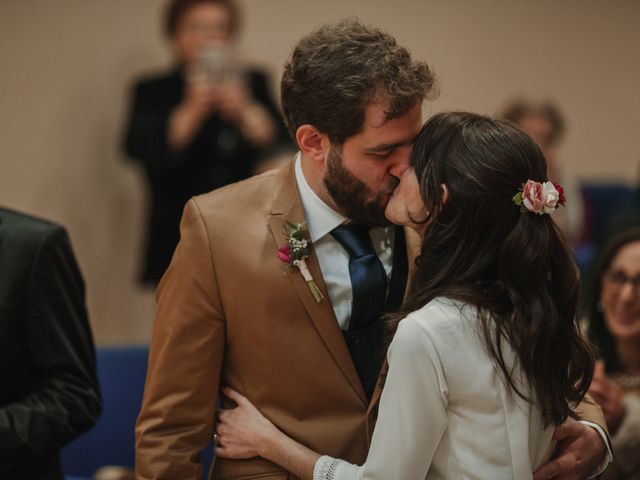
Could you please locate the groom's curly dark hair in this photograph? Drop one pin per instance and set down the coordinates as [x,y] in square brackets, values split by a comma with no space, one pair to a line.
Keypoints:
[337,70]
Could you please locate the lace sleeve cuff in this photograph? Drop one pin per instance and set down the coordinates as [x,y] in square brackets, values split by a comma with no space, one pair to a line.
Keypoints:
[325,468]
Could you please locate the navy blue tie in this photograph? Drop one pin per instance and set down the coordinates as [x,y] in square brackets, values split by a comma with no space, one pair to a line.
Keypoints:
[368,278]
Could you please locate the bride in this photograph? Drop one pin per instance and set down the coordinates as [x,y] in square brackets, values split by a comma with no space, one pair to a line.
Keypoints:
[486,357]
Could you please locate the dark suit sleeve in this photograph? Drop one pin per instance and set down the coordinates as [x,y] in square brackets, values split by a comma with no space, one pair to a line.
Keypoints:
[66,400]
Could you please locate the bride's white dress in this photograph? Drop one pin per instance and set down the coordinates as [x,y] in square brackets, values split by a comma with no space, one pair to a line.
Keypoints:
[445,412]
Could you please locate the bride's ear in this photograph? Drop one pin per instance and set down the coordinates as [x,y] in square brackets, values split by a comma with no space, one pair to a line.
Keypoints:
[445,193]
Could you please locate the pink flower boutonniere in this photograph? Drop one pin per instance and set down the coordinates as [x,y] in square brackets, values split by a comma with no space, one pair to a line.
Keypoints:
[295,252]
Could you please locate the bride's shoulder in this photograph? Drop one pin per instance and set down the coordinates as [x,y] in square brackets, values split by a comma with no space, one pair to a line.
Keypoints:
[441,316]
[437,330]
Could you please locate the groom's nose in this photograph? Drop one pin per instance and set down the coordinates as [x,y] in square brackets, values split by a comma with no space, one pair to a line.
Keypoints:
[401,161]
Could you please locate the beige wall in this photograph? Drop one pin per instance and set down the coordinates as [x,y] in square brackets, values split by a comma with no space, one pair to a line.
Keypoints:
[66,65]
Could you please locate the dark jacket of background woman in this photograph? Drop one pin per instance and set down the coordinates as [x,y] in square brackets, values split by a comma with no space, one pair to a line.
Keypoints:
[217,156]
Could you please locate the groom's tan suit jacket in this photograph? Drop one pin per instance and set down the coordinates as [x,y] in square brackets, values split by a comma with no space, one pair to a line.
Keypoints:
[229,314]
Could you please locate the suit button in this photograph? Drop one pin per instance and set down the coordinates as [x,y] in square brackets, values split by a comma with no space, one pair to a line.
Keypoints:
[374,414]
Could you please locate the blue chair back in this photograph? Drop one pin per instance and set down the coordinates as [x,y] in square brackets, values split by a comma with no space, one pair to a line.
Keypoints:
[121,372]
[603,201]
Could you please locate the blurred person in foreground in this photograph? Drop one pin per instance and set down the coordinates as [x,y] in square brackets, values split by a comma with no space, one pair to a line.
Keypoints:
[614,327]
[201,126]
[286,302]
[50,392]
[544,123]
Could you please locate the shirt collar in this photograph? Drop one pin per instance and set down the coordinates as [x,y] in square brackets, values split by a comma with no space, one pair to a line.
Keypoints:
[321,218]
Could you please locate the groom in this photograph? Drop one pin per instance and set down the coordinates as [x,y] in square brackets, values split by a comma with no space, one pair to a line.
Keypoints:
[229,313]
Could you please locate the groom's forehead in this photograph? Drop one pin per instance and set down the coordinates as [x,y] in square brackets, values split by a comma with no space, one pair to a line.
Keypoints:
[380,133]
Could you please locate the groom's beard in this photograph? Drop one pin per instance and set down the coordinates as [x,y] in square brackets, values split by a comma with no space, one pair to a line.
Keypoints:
[354,198]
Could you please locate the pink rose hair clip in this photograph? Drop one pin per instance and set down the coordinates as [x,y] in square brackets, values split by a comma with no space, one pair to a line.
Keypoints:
[540,198]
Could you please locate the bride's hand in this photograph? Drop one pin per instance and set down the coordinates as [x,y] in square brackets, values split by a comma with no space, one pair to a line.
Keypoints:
[242,431]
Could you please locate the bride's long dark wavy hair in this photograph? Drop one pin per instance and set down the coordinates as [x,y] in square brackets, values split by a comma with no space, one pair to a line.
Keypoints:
[514,267]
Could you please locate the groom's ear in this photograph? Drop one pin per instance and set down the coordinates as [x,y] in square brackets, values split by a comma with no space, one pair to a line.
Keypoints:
[312,143]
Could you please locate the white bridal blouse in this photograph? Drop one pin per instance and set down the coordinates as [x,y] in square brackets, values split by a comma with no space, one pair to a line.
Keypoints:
[445,412]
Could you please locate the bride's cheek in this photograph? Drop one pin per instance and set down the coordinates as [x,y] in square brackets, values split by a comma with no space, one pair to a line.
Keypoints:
[395,213]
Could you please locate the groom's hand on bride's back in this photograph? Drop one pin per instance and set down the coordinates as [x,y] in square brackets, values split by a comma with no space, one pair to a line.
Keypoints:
[581,452]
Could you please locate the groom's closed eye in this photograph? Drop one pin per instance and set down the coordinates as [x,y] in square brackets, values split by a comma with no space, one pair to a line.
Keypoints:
[383,154]
[386,149]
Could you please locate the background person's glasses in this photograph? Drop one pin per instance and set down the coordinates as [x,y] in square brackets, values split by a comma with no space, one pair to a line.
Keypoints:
[615,280]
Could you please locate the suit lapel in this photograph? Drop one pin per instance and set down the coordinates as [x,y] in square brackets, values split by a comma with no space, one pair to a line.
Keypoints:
[287,207]
[413,245]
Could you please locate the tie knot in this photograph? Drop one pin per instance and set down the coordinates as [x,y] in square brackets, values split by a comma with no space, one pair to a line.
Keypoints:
[354,239]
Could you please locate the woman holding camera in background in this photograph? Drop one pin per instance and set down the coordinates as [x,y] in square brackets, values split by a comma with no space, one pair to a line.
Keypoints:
[199,127]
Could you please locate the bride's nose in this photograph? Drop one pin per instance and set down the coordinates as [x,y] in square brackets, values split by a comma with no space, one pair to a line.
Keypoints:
[406,174]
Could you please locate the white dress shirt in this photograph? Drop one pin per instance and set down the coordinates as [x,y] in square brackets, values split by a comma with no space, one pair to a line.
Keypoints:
[334,260]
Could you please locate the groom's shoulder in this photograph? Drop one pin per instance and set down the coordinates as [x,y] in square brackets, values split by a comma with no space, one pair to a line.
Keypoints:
[249,197]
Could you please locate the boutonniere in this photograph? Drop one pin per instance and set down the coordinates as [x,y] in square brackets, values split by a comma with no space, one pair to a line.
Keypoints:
[294,253]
